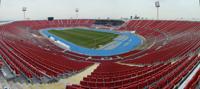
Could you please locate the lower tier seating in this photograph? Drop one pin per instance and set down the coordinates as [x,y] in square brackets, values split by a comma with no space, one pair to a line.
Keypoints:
[115,76]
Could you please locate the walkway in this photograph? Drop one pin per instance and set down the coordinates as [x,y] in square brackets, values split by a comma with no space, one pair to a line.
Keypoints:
[75,79]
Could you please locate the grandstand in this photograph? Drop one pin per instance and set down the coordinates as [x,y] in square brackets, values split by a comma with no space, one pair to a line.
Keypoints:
[172,54]
[100,54]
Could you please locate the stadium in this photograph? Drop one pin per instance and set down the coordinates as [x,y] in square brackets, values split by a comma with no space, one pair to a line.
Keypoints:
[82,53]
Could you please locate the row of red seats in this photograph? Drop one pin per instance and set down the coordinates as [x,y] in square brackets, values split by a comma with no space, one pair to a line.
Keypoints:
[40,24]
[176,76]
[194,81]
[122,75]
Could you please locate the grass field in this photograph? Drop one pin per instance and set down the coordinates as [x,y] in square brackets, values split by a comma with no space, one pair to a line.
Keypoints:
[85,38]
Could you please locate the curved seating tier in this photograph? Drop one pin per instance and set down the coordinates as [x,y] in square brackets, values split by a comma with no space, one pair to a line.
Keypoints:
[170,54]
[168,39]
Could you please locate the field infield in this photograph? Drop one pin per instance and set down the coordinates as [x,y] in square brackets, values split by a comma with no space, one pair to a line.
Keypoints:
[85,38]
[88,40]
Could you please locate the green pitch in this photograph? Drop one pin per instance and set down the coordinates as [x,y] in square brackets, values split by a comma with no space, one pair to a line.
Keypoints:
[85,38]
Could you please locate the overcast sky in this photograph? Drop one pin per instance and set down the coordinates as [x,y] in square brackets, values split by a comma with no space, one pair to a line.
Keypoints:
[65,9]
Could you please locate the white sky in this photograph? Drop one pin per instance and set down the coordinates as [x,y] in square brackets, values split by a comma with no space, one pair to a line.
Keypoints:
[64,9]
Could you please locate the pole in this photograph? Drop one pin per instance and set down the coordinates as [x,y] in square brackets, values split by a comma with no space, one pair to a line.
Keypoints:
[157,13]
[76,15]
[77,10]
[24,9]
[24,15]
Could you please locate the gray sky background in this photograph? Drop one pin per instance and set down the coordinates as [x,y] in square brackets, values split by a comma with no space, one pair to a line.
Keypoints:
[64,9]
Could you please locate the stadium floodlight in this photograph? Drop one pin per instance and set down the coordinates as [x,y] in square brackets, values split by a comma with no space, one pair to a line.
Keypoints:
[157,5]
[24,9]
[76,10]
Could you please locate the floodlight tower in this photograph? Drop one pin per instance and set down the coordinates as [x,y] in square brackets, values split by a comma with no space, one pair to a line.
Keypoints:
[157,5]
[77,11]
[24,9]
